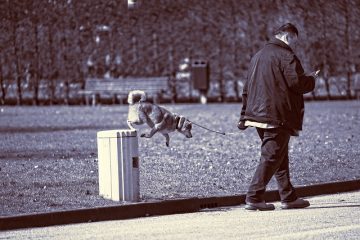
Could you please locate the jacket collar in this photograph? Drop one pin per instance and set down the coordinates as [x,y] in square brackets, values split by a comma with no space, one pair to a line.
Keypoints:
[280,43]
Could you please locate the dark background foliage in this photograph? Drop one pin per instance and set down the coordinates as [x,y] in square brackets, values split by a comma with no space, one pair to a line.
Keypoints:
[49,47]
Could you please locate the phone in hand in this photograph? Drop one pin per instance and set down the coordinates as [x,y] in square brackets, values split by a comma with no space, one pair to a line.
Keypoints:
[315,73]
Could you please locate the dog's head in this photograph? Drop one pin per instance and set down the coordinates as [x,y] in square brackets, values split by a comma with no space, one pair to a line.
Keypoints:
[187,129]
[183,125]
[136,96]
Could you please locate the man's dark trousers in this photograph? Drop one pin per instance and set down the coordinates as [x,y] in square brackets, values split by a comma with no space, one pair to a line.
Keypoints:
[274,161]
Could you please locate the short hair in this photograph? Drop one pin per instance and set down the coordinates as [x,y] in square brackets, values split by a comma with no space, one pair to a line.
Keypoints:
[286,28]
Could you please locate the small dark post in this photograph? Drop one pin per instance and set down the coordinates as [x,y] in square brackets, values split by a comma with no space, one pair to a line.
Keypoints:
[200,78]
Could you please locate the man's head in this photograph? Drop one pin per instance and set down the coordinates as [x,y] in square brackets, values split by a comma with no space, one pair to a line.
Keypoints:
[287,33]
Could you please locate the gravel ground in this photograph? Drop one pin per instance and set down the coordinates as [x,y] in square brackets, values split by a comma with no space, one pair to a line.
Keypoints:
[48,158]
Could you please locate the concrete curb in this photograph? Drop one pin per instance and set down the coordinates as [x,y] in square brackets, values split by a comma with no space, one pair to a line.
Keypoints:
[166,207]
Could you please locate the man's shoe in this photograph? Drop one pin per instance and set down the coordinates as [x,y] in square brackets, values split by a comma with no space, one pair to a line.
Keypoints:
[262,206]
[298,203]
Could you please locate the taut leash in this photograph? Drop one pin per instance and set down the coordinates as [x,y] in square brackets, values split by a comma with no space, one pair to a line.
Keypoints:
[222,133]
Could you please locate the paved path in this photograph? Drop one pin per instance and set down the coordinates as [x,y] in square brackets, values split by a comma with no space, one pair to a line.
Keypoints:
[329,217]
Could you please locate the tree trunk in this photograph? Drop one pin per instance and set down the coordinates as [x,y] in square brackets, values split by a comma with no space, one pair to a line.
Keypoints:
[172,75]
[221,77]
[134,50]
[64,46]
[155,53]
[13,16]
[66,76]
[2,84]
[348,51]
[81,55]
[324,55]
[235,47]
[53,73]
[36,68]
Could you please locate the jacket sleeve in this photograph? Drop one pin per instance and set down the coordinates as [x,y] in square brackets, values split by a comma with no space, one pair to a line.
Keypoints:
[295,76]
[250,73]
[244,101]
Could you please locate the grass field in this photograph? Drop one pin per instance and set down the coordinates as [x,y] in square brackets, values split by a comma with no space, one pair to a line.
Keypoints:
[48,158]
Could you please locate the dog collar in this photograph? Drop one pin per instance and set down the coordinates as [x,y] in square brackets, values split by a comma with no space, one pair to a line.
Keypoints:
[177,123]
[180,121]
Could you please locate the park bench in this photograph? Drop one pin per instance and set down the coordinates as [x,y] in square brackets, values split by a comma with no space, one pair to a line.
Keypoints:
[118,88]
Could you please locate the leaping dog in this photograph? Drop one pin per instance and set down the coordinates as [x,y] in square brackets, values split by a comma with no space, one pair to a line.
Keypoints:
[157,118]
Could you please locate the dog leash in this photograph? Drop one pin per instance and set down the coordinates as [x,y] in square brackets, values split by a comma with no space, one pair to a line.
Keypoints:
[222,133]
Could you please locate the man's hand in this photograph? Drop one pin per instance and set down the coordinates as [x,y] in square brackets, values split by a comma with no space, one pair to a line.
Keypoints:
[241,125]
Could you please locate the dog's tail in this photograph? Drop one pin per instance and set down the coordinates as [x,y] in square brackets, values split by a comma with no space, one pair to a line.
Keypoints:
[136,96]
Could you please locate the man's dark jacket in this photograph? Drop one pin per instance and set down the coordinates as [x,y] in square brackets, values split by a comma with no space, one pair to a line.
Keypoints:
[273,92]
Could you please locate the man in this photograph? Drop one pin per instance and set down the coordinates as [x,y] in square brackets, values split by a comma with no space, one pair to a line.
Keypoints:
[273,104]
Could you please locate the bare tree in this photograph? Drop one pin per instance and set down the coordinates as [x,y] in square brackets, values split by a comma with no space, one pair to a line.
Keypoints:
[2,82]
[322,11]
[35,10]
[14,18]
[346,7]
[52,72]
[153,37]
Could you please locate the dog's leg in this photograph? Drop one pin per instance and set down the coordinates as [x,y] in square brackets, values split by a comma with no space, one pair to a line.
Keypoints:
[155,127]
[163,122]
[166,135]
[151,133]
[162,125]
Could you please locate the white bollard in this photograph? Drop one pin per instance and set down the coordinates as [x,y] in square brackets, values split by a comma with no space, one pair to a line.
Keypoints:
[118,158]
[203,99]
